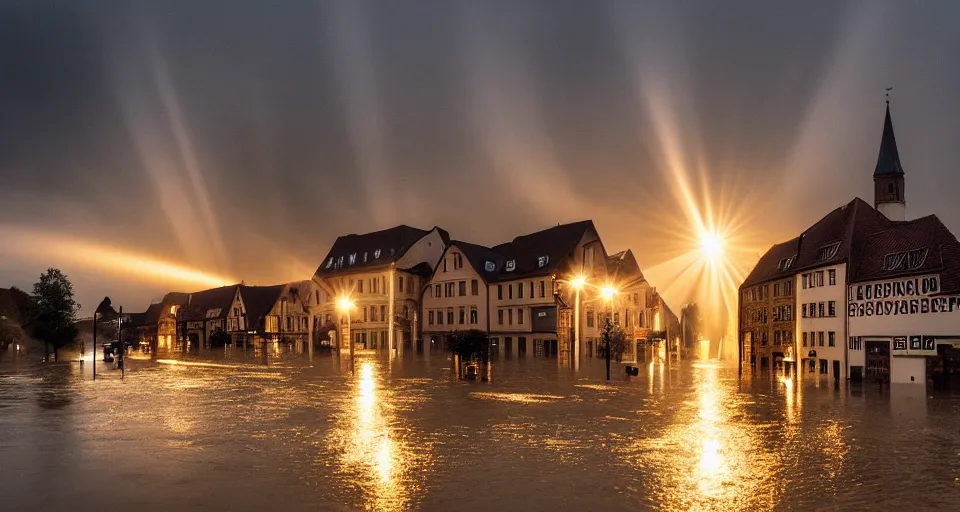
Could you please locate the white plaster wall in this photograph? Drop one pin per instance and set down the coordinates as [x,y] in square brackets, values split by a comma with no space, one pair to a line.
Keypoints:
[426,250]
[836,324]
[433,303]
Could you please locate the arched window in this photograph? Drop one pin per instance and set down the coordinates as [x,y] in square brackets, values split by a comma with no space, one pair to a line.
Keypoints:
[890,188]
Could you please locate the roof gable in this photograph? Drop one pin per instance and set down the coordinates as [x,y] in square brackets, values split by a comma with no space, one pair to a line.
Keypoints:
[353,253]
[541,253]
[259,300]
[212,303]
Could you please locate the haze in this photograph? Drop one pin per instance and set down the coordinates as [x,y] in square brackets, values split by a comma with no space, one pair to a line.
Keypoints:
[239,139]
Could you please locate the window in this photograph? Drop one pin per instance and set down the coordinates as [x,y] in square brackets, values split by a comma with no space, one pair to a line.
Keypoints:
[510,291]
[543,289]
[616,318]
[832,276]
[589,318]
[450,289]
[786,263]
[289,323]
[855,343]
[373,313]
[463,316]
[531,289]
[457,260]
[788,288]
[820,309]
[473,315]
[373,285]
[360,286]
[463,288]
[439,317]
[364,314]
[520,291]
[401,285]
[383,313]
[889,188]
[430,317]
[318,296]
[776,290]
[906,260]
[763,338]
[823,366]
[500,317]
[640,319]
[444,264]
[820,338]
[804,278]
[436,291]
[474,287]
[509,317]
[520,316]
[832,308]
[777,338]
[804,339]
[449,316]
[828,252]
[500,293]
[831,339]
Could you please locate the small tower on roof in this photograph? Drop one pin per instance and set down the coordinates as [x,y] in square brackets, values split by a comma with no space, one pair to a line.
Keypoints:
[888,185]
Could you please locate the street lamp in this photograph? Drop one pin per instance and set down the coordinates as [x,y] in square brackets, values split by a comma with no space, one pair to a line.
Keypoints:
[345,306]
[578,284]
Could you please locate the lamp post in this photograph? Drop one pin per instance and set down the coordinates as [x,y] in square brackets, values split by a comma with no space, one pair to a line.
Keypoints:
[577,284]
[607,292]
[345,305]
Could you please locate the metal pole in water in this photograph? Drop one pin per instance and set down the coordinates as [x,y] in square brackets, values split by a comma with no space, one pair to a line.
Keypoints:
[123,349]
[94,345]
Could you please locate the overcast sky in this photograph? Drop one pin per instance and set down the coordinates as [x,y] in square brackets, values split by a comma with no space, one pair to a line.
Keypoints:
[241,138]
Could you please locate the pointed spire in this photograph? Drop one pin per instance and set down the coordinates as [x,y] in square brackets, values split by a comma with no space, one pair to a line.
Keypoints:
[888,162]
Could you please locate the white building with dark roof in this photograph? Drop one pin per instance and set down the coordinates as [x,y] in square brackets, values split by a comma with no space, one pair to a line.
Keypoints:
[871,294]
[383,273]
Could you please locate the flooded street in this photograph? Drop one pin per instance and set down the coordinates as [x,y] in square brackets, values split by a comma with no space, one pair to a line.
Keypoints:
[228,433]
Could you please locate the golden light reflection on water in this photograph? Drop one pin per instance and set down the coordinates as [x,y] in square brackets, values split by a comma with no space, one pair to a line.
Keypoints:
[370,448]
[525,398]
[701,461]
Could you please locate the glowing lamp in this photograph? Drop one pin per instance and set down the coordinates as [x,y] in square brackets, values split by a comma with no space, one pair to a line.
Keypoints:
[578,282]
[344,304]
[607,292]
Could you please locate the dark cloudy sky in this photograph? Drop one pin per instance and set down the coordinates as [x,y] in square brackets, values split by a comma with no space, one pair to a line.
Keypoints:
[242,137]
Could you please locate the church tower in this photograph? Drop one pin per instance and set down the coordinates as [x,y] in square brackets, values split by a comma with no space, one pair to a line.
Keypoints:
[888,191]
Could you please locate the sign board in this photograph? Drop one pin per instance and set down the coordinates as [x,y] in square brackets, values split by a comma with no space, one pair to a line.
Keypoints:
[900,297]
[915,345]
[659,335]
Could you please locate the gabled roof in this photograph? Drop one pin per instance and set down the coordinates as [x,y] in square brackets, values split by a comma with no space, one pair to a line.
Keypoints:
[932,247]
[541,253]
[175,299]
[769,266]
[215,298]
[834,239]
[888,161]
[259,300]
[152,314]
[479,256]
[623,266]
[355,253]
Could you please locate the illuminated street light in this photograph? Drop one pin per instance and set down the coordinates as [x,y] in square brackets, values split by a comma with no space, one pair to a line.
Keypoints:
[607,292]
[345,305]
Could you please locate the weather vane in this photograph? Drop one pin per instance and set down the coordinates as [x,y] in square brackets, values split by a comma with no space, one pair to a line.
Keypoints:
[888,94]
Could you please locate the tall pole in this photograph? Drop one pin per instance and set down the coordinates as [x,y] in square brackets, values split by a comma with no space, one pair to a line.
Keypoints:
[123,349]
[576,331]
[94,345]
[609,334]
[350,341]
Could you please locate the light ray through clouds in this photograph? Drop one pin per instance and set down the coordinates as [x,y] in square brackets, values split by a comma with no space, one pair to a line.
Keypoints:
[707,208]
[511,130]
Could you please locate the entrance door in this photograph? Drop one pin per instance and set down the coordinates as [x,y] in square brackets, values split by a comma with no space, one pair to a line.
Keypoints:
[878,359]
[836,370]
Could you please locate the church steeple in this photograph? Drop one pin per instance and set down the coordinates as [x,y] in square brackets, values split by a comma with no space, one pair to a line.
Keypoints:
[888,183]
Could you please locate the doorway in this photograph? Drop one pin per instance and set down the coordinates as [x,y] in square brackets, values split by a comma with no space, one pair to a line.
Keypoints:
[878,359]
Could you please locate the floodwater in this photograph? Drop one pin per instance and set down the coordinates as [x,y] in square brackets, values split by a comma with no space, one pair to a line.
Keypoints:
[229,433]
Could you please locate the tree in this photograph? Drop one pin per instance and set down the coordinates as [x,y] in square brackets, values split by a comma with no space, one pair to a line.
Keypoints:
[54,311]
[472,344]
[618,340]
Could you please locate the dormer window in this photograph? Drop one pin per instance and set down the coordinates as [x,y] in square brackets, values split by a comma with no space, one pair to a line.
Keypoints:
[905,260]
[329,263]
[827,252]
[376,254]
[364,256]
[786,263]
[890,188]
[489,266]
[353,258]
[542,261]
[511,265]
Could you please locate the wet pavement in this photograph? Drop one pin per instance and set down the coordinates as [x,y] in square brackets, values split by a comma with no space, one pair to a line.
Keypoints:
[228,433]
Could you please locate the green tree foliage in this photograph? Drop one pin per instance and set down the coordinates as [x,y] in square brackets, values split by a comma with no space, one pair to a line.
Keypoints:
[54,311]
[618,340]
[469,345]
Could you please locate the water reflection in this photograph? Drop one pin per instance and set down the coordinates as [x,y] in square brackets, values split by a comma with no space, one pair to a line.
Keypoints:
[371,452]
